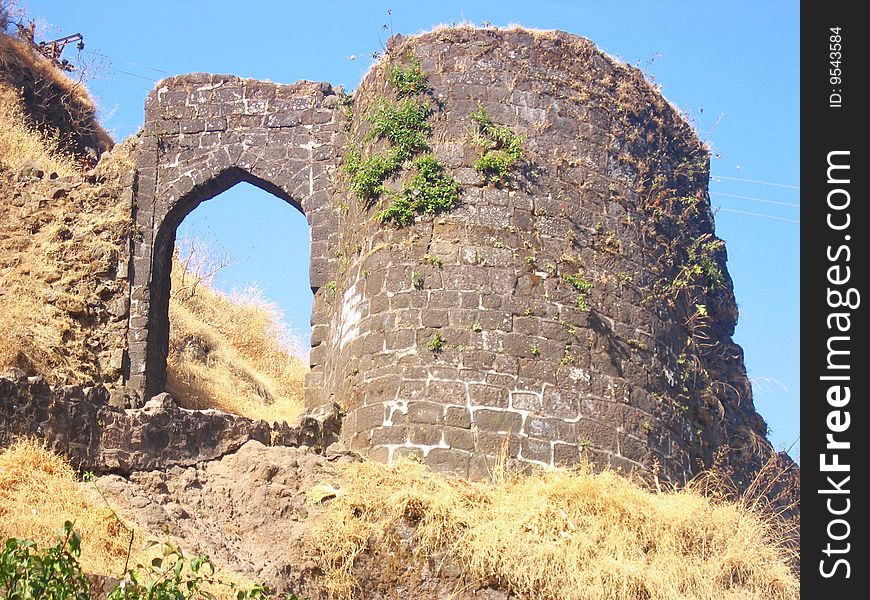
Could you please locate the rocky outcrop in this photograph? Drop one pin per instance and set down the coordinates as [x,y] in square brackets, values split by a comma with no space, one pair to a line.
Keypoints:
[250,512]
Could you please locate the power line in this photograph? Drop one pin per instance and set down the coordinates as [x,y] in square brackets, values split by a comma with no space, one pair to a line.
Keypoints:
[127,62]
[782,185]
[752,214]
[754,199]
[133,74]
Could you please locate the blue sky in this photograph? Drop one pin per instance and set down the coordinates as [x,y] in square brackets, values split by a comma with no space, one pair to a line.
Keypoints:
[732,67]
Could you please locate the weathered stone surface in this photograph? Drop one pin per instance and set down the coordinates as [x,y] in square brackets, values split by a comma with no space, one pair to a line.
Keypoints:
[202,135]
[547,291]
[104,438]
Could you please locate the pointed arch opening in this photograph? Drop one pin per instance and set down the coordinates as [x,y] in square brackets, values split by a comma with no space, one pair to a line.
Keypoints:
[220,347]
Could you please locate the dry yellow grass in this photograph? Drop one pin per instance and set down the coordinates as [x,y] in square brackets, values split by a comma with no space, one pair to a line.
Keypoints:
[227,352]
[51,264]
[54,104]
[560,535]
[20,142]
[39,492]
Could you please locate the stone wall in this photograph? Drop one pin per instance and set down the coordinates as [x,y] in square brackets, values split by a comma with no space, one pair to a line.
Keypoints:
[86,425]
[204,134]
[584,307]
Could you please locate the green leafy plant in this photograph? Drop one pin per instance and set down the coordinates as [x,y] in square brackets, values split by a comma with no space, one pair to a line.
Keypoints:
[367,175]
[436,342]
[699,273]
[432,260]
[582,285]
[430,190]
[174,577]
[499,147]
[51,574]
[408,80]
[702,259]
[405,124]
[28,573]
[476,327]
[534,349]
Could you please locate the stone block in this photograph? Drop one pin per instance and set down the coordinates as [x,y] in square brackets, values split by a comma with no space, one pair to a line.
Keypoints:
[561,403]
[445,460]
[537,450]
[456,437]
[369,417]
[487,395]
[425,435]
[498,421]
[425,412]
[457,416]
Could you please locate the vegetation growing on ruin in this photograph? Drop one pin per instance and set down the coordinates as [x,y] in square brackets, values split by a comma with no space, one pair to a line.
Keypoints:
[430,190]
[499,148]
[427,187]
[582,285]
[367,175]
[404,124]
[436,342]
[408,80]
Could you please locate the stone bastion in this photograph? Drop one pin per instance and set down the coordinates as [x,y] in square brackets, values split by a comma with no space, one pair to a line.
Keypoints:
[573,302]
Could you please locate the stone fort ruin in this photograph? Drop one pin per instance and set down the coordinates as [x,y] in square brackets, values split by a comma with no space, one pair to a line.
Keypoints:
[577,306]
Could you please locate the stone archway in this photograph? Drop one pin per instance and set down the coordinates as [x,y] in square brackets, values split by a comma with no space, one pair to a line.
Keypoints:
[204,134]
[529,321]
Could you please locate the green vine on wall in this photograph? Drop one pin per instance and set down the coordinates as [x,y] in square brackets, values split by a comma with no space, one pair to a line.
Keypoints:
[404,125]
[582,285]
[499,148]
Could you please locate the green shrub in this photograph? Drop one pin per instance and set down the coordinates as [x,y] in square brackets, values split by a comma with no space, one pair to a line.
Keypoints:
[582,285]
[410,80]
[367,175]
[404,124]
[431,190]
[26,573]
[52,574]
[500,148]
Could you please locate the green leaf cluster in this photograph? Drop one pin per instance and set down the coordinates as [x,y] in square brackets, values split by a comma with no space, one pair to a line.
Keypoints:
[404,124]
[26,573]
[54,573]
[582,285]
[430,190]
[500,148]
[410,80]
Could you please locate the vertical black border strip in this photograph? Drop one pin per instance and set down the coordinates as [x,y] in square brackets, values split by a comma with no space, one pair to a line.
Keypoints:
[833,237]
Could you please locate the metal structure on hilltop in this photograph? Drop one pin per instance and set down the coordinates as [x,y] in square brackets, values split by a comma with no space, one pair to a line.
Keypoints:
[51,49]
